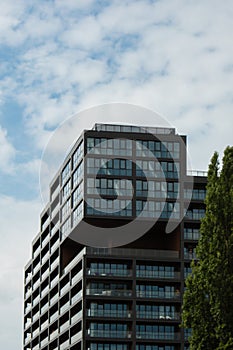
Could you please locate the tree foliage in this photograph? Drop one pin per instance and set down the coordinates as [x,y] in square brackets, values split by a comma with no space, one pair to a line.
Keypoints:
[208,299]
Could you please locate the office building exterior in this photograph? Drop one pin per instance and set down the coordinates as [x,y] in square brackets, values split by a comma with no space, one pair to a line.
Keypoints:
[109,297]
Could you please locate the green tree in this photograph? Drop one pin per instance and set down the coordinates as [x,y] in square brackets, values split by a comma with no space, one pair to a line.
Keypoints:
[208,299]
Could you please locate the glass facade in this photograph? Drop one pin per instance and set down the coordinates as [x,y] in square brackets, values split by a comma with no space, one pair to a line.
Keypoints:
[108,330]
[108,346]
[104,166]
[157,149]
[109,269]
[156,271]
[147,331]
[152,209]
[162,312]
[108,310]
[154,347]
[156,291]
[104,146]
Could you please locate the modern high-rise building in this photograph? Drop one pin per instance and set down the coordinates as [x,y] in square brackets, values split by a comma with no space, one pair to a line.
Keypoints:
[109,263]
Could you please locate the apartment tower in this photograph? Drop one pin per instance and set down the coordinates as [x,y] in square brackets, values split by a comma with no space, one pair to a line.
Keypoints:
[116,239]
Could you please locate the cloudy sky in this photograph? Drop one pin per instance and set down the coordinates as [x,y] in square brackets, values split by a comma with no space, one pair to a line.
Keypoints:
[59,57]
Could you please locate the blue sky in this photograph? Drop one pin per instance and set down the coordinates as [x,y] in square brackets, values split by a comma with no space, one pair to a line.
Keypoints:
[60,57]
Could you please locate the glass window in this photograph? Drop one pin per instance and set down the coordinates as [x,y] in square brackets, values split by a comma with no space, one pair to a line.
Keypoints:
[66,172]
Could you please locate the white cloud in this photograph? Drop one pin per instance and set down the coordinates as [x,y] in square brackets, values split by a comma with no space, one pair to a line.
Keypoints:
[7,153]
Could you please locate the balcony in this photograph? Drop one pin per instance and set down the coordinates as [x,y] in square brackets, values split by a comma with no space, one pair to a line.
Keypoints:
[53,299]
[144,253]
[76,297]
[44,341]
[159,315]
[158,335]
[44,308]
[54,229]
[114,293]
[55,246]
[28,278]
[36,300]
[195,214]
[65,289]
[54,316]
[36,316]
[44,275]
[73,262]
[190,256]
[45,291]
[99,333]
[45,241]
[109,313]
[36,284]
[76,317]
[64,326]
[45,224]
[28,338]
[45,257]
[55,193]
[35,332]
[28,323]
[54,281]
[77,277]
[76,337]
[54,263]
[158,274]
[44,325]
[65,307]
[54,334]
[192,236]
[36,252]
[55,211]
[158,295]
[36,268]
[64,345]
[107,272]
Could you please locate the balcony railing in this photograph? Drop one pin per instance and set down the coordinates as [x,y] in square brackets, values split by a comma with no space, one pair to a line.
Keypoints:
[65,288]
[65,307]
[190,256]
[55,246]
[108,334]
[108,272]
[144,253]
[194,215]
[197,173]
[36,316]
[158,315]
[158,295]
[54,316]
[77,277]
[194,236]
[54,263]
[44,341]
[53,334]
[158,274]
[109,313]
[76,317]
[76,337]
[64,326]
[76,297]
[115,293]
[64,345]
[158,335]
